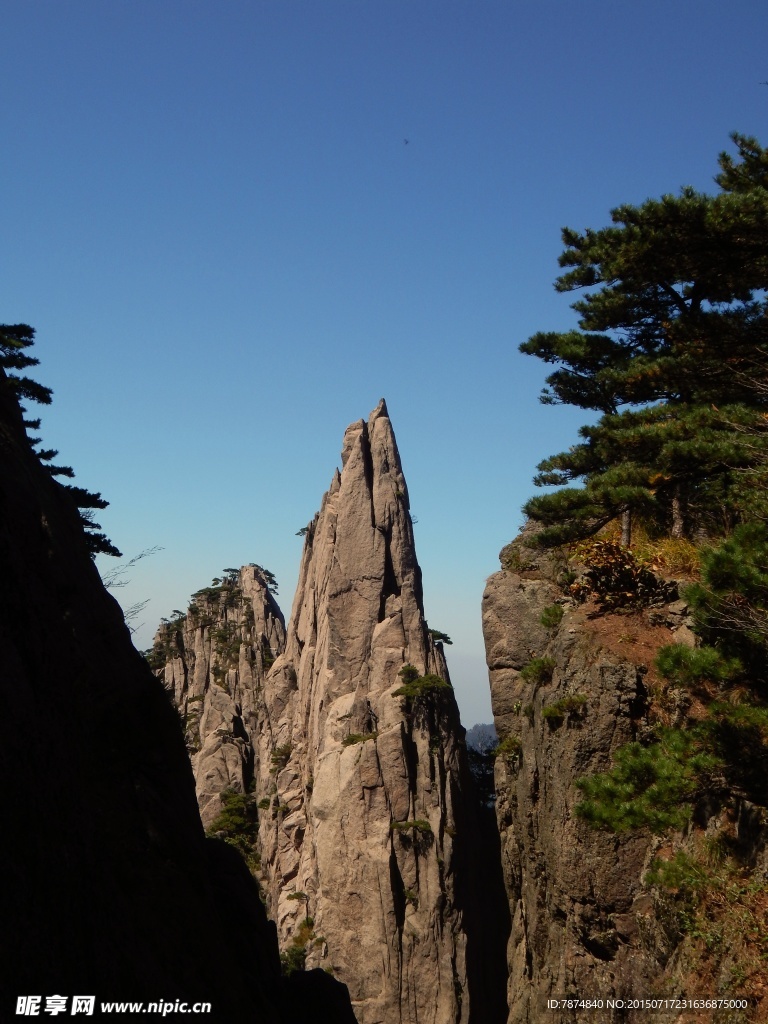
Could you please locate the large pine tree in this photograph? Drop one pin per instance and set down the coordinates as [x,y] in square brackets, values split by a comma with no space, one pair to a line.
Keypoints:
[672,349]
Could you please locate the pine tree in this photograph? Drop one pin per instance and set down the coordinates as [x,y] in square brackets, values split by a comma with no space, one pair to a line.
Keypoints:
[15,339]
[672,350]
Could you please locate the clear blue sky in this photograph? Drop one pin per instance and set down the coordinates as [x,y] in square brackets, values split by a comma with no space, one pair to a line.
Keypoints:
[229,252]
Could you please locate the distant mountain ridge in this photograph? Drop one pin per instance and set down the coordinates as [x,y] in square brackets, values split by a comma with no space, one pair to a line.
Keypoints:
[482,737]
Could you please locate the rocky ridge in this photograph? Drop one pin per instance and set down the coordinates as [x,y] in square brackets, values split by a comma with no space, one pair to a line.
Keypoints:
[572,891]
[587,921]
[215,659]
[375,786]
[370,851]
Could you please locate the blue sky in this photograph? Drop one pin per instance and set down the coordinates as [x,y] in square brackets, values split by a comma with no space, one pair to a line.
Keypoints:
[229,252]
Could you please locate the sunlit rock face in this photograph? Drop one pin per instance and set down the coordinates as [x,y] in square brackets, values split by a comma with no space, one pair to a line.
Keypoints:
[215,660]
[371,856]
[382,897]
[582,919]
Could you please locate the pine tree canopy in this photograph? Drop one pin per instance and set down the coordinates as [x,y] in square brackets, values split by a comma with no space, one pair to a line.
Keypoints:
[672,349]
[14,340]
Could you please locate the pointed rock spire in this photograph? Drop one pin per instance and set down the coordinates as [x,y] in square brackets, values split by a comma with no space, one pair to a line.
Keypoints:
[369,849]
[371,783]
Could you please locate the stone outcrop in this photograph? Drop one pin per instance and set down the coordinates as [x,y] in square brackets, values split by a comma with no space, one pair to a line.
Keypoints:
[586,922]
[575,894]
[215,659]
[575,922]
[374,804]
[373,861]
[109,885]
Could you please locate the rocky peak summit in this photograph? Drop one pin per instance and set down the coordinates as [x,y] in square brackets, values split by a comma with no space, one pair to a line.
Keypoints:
[369,853]
[359,570]
[371,799]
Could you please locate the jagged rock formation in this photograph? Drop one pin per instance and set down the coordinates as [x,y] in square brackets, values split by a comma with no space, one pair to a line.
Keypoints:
[575,894]
[386,895]
[372,858]
[215,659]
[586,921]
[109,886]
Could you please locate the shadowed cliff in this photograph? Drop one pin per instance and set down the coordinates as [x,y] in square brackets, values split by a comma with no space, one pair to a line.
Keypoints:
[109,886]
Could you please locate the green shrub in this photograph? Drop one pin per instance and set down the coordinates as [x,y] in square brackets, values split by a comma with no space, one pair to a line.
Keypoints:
[209,594]
[509,748]
[419,825]
[265,803]
[416,687]
[572,704]
[280,757]
[439,637]
[552,616]
[744,716]
[358,737]
[156,656]
[731,602]
[226,642]
[538,670]
[292,959]
[237,821]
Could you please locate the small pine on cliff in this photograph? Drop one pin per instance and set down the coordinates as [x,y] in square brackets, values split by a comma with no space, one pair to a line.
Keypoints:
[15,340]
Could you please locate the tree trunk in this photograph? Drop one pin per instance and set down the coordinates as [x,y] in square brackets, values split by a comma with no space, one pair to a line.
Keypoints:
[626,528]
[678,512]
